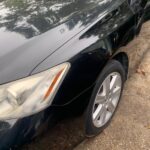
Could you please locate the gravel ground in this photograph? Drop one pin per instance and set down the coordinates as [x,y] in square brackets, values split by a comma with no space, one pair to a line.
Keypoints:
[130,128]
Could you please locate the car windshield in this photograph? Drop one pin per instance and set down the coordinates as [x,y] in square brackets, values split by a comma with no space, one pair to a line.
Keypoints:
[33,17]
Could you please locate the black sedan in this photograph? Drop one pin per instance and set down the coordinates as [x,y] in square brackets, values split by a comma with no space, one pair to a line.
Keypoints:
[66,54]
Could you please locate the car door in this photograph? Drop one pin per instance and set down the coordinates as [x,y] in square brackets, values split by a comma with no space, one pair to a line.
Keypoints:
[121,28]
[138,7]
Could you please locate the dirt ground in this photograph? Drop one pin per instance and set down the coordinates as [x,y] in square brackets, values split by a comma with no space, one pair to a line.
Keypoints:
[130,128]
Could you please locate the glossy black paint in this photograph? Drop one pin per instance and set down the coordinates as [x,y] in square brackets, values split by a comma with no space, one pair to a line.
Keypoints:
[147,11]
[29,50]
[87,38]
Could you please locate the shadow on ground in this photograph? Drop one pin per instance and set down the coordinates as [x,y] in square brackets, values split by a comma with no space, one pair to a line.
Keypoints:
[64,136]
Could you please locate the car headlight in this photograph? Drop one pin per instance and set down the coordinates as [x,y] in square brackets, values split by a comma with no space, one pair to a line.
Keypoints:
[32,94]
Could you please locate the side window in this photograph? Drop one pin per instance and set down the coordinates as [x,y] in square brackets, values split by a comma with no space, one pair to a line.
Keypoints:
[142,3]
[131,2]
[137,5]
[118,26]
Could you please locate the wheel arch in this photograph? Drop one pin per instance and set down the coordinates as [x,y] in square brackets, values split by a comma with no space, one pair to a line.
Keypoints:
[123,58]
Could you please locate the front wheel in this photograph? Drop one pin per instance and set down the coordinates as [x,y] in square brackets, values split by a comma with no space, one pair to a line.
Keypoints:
[105,98]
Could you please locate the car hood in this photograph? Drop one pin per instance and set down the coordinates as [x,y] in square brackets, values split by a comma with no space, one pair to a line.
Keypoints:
[34,29]
[31,18]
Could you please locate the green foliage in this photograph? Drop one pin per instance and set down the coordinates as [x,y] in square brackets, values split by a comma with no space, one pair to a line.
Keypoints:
[15,3]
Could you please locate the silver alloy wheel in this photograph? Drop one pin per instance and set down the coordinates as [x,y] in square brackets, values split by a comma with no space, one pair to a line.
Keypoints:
[107,99]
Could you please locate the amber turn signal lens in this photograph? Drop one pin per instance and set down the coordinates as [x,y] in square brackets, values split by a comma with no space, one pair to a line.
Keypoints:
[53,84]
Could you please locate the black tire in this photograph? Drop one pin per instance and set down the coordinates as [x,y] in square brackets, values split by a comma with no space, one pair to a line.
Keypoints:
[112,66]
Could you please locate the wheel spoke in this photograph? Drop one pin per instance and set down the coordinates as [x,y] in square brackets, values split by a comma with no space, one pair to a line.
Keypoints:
[107,85]
[114,82]
[116,92]
[97,112]
[110,107]
[103,115]
[100,99]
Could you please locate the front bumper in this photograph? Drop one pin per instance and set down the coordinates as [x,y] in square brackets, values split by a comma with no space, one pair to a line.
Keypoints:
[16,132]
